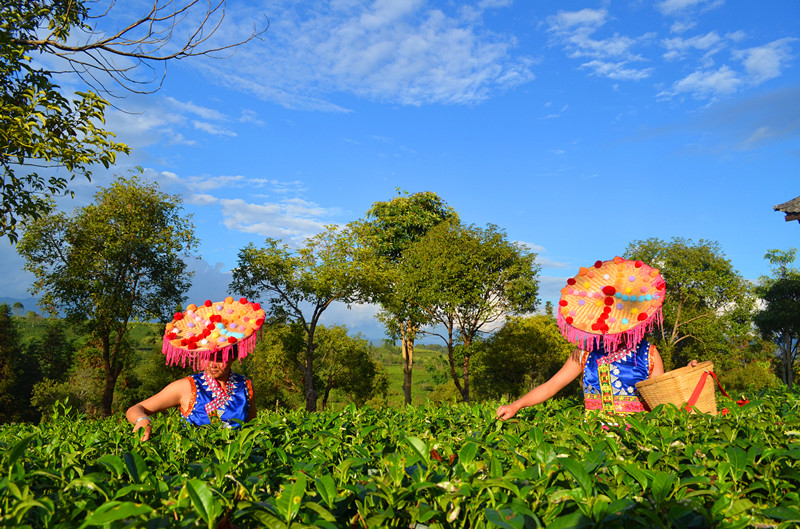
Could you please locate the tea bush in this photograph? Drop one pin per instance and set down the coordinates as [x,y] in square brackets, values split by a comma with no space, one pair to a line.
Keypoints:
[452,466]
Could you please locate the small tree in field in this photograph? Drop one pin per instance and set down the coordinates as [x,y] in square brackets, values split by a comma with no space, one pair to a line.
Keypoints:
[117,260]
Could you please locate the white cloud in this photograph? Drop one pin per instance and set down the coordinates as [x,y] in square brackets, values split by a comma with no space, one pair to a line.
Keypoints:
[191,108]
[617,70]
[705,84]
[611,57]
[678,48]
[212,129]
[566,21]
[293,219]
[402,52]
[763,63]
[683,7]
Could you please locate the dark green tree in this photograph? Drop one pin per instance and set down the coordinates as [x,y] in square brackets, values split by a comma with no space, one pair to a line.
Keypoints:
[466,279]
[10,350]
[346,366]
[523,353]
[388,230]
[779,320]
[47,137]
[118,260]
[708,307]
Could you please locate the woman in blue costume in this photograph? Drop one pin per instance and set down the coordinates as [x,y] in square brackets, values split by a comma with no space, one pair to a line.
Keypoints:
[606,310]
[216,395]
[211,337]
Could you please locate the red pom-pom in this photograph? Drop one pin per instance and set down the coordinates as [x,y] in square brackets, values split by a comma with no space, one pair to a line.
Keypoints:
[571,281]
[569,319]
[259,322]
[210,327]
[606,310]
[609,301]
[184,342]
[179,315]
[171,336]
[562,302]
[191,346]
[603,328]
[598,264]
[642,316]
[207,303]
[608,290]
[638,264]
[256,306]
[215,318]
[231,339]
[243,301]
[595,326]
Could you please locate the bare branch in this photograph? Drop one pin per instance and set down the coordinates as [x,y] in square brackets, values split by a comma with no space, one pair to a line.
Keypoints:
[147,41]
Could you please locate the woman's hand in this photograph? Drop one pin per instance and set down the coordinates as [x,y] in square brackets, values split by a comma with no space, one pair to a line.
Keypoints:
[507,411]
[144,422]
[693,363]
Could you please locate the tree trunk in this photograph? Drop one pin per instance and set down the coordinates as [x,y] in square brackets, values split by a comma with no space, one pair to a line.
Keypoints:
[407,348]
[110,374]
[465,371]
[108,392]
[308,374]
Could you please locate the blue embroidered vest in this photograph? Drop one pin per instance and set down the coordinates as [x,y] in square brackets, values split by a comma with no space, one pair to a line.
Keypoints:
[609,379]
[213,402]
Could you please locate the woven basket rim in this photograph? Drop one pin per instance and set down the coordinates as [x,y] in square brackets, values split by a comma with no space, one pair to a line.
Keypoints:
[676,373]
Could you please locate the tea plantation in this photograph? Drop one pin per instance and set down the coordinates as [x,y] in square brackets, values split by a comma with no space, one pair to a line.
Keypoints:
[442,467]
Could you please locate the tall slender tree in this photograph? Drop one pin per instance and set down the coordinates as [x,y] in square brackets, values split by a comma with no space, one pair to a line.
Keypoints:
[388,230]
[117,260]
[300,286]
[466,279]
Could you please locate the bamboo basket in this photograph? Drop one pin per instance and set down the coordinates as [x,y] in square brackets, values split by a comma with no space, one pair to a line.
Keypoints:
[676,387]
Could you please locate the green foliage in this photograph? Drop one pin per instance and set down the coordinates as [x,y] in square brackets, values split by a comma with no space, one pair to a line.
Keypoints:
[751,378]
[389,229]
[301,285]
[450,466]
[117,260]
[10,351]
[523,353]
[40,128]
[465,279]
[779,320]
[708,306]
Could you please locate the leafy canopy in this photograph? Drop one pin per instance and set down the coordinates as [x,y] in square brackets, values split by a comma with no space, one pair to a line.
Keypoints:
[46,139]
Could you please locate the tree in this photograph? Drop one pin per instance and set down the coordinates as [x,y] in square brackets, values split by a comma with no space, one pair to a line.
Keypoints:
[301,286]
[41,128]
[466,279]
[388,230]
[708,306]
[779,320]
[345,365]
[112,262]
[10,350]
[523,353]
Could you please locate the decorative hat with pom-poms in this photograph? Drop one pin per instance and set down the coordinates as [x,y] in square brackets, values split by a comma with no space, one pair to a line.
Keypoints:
[228,327]
[613,303]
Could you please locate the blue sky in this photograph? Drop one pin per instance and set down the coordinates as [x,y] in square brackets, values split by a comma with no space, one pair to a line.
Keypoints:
[578,127]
